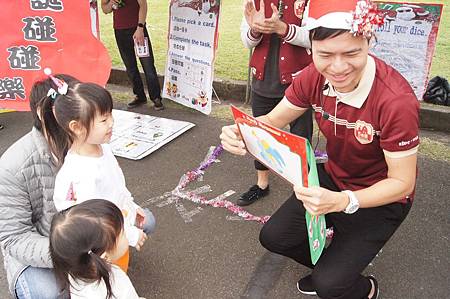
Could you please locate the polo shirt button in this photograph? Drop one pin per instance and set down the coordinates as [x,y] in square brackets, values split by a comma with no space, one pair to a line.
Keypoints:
[282,58]
[285,7]
[264,57]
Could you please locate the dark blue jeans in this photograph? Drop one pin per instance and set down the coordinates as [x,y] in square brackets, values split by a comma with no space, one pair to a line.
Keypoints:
[125,43]
[38,283]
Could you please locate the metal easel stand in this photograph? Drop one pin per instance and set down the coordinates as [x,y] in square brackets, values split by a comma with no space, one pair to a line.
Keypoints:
[218,101]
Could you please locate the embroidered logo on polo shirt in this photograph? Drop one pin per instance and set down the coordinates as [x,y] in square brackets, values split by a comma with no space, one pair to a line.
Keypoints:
[363,132]
[299,8]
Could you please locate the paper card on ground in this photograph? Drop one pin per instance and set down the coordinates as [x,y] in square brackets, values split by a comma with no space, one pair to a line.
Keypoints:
[287,155]
[137,135]
[142,50]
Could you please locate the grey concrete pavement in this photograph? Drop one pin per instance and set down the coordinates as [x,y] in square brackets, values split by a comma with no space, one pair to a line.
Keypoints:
[217,257]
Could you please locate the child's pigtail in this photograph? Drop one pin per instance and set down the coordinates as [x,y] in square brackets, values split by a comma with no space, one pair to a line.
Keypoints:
[58,139]
[103,268]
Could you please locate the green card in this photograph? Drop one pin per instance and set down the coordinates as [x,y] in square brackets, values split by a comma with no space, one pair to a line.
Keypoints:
[316,225]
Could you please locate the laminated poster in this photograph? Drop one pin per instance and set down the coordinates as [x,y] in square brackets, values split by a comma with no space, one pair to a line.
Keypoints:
[407,39]
[137,135]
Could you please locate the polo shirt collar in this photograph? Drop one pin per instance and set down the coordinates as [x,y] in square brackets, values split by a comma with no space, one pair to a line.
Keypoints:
[357,97]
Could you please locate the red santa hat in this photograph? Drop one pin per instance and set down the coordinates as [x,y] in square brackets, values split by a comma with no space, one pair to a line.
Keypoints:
[358,16]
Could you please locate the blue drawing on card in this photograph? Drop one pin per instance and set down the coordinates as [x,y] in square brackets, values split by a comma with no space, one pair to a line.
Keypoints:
[269,154]
[273,153]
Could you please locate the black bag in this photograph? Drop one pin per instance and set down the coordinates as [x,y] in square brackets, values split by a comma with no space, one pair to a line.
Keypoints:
[438,92]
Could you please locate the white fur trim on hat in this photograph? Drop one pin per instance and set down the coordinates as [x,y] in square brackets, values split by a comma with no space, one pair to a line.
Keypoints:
[334,20]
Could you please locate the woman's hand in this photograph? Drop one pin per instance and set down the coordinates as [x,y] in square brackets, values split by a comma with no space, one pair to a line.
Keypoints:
[232,141]
[321,201]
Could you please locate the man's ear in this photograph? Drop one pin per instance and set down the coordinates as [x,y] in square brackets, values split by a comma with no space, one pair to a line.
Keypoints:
[76,128]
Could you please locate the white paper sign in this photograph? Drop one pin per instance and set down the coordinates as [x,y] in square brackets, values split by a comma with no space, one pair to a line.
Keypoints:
[137,135]
[193,27]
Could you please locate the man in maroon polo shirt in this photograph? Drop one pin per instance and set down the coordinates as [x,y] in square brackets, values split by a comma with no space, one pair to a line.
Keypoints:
[369,116]
[129,28]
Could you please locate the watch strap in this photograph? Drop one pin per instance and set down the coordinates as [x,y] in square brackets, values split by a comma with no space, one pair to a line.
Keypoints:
[353,204]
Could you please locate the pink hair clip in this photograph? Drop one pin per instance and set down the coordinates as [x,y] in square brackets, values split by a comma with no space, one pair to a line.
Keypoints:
[62,86]
[365,16]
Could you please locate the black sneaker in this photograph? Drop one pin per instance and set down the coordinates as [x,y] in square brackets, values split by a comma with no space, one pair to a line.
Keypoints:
[1,127]
[158,105]
[305,286]
[375,283]
[252,195]
[136,102]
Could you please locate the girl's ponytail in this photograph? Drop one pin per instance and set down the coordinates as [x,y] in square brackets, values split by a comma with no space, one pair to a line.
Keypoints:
[79,236]
[103,271]
[41,105]
[57,138]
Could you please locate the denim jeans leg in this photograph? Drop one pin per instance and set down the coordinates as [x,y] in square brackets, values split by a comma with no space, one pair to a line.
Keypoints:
[38,283]
[151,76]
[125,44]
[150,222]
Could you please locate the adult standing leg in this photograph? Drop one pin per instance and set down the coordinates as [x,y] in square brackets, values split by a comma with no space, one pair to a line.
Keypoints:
[261,105]
[151,76]
[125,43]
[302,127]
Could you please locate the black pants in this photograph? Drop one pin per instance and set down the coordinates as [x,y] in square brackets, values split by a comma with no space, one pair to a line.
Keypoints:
[357,239]
[302,126]
[125,43]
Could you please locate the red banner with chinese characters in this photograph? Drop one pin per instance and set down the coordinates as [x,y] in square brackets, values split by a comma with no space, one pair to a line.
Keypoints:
[47,33]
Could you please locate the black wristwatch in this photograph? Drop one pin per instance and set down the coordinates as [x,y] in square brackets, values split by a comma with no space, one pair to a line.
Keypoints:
[141,25]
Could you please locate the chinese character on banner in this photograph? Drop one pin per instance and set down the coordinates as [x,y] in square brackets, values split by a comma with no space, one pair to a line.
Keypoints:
[193,34]
[47,33]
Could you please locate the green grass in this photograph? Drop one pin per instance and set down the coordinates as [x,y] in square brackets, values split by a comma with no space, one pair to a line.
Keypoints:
[232,57]
[434,149]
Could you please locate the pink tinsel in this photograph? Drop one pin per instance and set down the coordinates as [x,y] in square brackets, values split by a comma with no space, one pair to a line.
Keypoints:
[195,174]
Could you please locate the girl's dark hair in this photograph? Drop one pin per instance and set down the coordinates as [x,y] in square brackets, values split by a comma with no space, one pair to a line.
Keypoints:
[38,93]
[322,33]
[82,103]
[79,236]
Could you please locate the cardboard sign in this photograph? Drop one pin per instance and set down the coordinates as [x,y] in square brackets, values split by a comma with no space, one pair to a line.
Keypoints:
[288,156]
